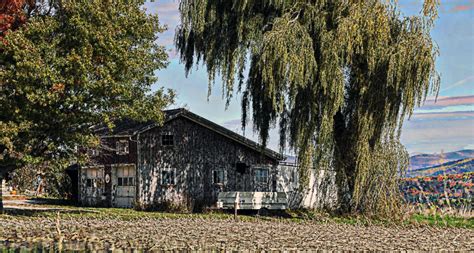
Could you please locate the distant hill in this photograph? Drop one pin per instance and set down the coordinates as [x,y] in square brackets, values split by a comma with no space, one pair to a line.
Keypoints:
[456,162]
[429,160]
[453,167]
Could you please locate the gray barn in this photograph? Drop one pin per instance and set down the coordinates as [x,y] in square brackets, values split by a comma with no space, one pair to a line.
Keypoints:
[182,164]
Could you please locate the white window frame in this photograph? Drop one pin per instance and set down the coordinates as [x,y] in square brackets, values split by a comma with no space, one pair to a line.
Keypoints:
[129,177]
[257,176]
[173,178]
[224,176]
[126,147]
[94,178]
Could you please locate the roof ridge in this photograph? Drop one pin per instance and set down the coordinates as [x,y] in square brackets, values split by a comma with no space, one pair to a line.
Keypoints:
[172,114]
[238,137]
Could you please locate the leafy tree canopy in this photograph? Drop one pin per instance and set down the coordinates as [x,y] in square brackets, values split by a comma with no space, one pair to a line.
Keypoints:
[339,78]
[72,65]
[12,14]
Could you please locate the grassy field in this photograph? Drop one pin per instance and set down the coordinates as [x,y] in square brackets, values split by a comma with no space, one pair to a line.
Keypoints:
[76,228]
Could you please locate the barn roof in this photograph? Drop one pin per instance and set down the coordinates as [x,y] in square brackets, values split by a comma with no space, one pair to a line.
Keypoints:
[129,127]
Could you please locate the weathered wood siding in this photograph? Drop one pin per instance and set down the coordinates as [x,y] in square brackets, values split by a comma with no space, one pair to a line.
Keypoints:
[108,153]
[196,152]
[94,192]
[103,193]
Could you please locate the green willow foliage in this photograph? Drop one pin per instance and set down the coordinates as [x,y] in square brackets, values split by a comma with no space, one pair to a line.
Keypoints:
[75,64]
[339,77]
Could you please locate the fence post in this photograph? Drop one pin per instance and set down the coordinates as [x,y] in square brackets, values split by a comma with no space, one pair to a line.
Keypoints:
[236,204]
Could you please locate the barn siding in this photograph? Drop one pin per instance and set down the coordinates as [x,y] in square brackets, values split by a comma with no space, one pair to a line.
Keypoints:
[196,152]
[108,154]
[94,194]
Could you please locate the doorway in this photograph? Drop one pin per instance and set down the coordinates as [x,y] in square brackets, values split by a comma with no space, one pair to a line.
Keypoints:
[125,185]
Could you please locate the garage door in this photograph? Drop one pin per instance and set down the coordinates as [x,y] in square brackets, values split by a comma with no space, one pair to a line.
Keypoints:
[125,186]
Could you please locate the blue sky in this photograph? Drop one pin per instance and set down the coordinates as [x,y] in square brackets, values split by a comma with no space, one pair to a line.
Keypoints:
[446,125]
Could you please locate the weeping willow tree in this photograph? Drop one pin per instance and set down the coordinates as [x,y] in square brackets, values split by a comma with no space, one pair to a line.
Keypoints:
[337,77]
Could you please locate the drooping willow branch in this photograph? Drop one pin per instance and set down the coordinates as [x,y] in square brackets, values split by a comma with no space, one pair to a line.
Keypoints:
[339,77]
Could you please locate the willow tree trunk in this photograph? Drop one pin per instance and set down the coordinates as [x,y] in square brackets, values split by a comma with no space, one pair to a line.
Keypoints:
[345,162]
[1,194]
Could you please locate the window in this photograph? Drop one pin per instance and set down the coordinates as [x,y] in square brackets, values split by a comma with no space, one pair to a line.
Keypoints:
[89,182]
[261,175]
[241,167]
[293,176]
[218,176]
[167,140]
[125,176]
[126,181]
[122,147]
[93,175]
[167,177]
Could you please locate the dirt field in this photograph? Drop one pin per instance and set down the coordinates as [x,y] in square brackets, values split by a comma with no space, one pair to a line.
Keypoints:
[222,234]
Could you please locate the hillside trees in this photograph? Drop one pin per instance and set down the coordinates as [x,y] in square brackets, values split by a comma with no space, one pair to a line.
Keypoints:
[338,77]
[72,65]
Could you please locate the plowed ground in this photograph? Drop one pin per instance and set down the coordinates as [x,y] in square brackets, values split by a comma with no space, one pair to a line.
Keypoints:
[88,233]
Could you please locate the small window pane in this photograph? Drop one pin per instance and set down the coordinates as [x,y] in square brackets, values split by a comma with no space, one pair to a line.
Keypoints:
[125,181]
[167,140]
[130,181]
[119,173]
[167,177]
[120,183]
[218,176]
[121,147]
[89,182]
[261,175]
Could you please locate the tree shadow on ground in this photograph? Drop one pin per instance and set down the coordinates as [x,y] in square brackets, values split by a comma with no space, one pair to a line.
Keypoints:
[53,201]
[24,211]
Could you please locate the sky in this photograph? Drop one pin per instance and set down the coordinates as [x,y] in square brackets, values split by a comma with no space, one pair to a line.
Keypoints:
[446,124]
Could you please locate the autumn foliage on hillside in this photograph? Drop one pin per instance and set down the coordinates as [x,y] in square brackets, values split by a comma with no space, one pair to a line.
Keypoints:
[12,14]
[455,190]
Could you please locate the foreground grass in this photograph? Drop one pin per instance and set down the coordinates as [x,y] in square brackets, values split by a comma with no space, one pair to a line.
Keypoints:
[443,221]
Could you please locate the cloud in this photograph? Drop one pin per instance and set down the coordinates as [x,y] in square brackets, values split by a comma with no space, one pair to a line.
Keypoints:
[168,14]
[459,7]
[432,132]
[447,104]
[470,146]
[447,6]
[445,116]
[462,8]
[458,83]
[450,101]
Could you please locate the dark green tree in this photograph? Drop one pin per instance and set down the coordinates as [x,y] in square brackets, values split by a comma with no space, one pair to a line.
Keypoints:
[72,65]
[338,77]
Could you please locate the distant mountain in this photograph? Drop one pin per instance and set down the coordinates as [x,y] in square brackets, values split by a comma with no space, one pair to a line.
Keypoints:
[431,164]
[453,167]
[429,160]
